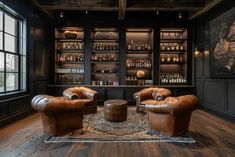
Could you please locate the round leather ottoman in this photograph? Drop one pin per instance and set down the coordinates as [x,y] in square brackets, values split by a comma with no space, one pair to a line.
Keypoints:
[115,110]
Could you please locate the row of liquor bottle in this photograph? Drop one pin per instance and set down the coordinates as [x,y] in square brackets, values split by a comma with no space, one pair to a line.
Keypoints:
[172,78]
[138,63]
[69,57]
[131,78]
[177,58]
[105,46]
[66,70]
[99,57]
[104,70]
[172,46]
[64,78]
[138,46]
[172,35]
[70,45]
[101,82]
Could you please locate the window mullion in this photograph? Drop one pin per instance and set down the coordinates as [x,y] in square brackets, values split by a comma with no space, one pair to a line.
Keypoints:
[3,46]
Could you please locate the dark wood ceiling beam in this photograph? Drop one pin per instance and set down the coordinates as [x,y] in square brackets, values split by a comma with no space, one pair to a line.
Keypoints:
[210,4]
[163,9]
[122,9]
[48,13]
[81,8]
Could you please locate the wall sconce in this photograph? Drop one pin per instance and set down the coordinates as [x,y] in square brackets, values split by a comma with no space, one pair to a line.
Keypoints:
[197,52]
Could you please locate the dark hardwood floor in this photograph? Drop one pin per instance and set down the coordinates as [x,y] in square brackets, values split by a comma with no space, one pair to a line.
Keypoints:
[215,137]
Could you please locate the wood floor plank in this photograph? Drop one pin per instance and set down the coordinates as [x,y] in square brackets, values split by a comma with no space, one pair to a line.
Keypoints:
[215,137]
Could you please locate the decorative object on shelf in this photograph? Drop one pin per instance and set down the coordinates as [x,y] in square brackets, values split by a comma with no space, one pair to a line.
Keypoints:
[70,34]
[140,75]
[104,35]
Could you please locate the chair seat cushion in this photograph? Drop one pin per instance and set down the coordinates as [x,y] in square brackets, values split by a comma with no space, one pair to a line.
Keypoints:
[148,102]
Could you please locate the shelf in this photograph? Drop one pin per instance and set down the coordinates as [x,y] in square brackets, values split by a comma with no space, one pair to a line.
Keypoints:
[172,40]
[172,51]
[67,62]
[70,73]
[103,62]
[70,51]
[67,83]
[139,52]
[68,40]
[105,51]
[173,62]
[105,73]
[105,40]
[137,68]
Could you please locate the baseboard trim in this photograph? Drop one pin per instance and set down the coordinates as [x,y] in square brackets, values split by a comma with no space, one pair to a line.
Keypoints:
[15,117]
[219,113]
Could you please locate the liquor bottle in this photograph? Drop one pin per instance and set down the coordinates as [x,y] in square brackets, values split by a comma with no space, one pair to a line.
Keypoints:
[168,59]
[181,47]
[128,65]
[162,59]
[174,59]
[149,46]
[181,59]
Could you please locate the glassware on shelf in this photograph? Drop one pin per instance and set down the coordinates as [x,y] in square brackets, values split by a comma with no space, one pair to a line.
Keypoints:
[138,63]
[138,46]
[65,78]
[172,78]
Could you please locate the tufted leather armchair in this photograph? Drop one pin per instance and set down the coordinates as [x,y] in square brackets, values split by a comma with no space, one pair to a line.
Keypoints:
[172,115]
[150,96]
[87,95]
[59,115]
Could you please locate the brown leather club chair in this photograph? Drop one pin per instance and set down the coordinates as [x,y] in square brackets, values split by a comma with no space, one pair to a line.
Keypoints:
[172,115]
[87,95]
[150,96]
[59,115]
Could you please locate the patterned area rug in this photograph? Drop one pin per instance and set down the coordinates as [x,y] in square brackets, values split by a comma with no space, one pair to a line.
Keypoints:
[134,129]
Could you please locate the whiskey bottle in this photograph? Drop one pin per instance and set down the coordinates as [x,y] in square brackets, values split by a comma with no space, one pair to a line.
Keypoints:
[168,59]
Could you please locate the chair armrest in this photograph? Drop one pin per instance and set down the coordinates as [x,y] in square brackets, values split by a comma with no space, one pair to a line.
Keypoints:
[89,93]
[70,94]
[143,95]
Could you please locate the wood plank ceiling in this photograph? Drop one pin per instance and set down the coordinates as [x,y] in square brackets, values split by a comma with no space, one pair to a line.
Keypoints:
[194,7]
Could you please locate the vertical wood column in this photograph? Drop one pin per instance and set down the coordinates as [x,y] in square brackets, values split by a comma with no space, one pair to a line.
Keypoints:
[87,55]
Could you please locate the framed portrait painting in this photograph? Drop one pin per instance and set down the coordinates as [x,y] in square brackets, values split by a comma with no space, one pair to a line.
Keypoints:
[222,45]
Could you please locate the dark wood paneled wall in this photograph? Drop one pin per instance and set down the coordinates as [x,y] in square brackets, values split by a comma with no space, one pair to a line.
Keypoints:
[217,95]
[13,107]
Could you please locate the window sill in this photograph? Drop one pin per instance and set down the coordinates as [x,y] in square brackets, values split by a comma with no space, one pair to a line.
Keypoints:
[13,95]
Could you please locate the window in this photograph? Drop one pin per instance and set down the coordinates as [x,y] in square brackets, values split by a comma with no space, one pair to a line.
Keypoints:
[12,51]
